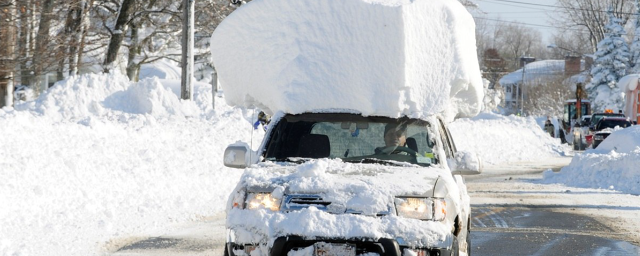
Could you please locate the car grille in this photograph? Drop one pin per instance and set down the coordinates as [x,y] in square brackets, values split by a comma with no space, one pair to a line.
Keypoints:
[299,202]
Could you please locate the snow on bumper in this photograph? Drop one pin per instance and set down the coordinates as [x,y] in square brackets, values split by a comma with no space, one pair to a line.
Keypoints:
[264,228]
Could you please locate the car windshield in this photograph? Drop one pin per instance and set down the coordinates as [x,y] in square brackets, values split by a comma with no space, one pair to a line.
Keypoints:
[352,138]
[596,117]
[604,124]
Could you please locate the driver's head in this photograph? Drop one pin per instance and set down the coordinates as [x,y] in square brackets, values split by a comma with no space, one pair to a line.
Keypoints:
[395,135]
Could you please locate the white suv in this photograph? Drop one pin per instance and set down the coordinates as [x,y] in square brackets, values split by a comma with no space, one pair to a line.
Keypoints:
[347,184]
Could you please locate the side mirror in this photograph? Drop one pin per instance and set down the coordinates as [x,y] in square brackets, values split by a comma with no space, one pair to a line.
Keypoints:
[465,163]
[238,155]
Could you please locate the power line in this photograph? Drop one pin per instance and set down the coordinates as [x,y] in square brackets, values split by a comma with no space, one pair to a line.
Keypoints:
[554,6]
[530,24]
[492,1]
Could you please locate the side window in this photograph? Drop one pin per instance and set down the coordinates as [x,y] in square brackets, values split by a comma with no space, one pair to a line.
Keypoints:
[446,140]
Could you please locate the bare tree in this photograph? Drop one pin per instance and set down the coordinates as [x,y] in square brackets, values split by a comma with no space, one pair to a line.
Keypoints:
[591,15]
[7,45]
[547,98]
[118,33]
[42,42]
[516,41]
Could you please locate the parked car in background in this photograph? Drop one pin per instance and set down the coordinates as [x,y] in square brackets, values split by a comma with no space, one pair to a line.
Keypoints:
[595,118]
[584,130]
[605,126]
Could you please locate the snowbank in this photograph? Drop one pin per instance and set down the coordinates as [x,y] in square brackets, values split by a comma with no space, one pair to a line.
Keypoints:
[390,58]
[501,139]
[98,158]
[613,165]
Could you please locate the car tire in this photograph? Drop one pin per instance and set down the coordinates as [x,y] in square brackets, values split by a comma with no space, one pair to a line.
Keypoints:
[226,249]
[455,247]
[469,238]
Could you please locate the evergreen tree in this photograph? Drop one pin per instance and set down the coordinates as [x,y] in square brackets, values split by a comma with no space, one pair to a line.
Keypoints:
[635,44]
[610,64]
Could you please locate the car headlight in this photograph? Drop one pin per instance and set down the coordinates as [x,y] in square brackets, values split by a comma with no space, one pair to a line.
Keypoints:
[262,201]
[421,208]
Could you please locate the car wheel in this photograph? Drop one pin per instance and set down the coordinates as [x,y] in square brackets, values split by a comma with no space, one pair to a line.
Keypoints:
[226,250]
[455,247]
[468,238]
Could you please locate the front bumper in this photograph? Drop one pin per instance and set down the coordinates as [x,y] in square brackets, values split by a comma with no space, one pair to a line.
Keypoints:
[383,246]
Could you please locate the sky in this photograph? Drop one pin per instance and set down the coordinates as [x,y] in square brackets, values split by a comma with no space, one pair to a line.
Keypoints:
[533,14]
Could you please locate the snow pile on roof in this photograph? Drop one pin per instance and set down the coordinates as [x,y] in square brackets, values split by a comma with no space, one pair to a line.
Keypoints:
[98,158]
[613,165]
[390,58]
[501,139]
[544,70]
[629,82]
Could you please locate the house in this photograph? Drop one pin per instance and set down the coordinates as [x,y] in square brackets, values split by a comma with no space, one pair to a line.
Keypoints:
[629,85]
[562,74]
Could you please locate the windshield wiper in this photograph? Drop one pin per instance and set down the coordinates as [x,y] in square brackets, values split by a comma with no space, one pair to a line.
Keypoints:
[295,160]
[374,161]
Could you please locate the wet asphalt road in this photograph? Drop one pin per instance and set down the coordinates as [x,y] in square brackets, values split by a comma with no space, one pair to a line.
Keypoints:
[536,229]
[541,231]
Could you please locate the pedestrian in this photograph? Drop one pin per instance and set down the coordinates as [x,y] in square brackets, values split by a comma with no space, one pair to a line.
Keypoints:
[549,128]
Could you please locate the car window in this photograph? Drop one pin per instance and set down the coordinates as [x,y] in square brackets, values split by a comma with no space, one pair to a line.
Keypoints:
[351,137]
[604,124]
[446,140]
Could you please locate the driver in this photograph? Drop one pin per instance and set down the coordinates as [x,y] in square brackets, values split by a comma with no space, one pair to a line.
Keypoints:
[395,135]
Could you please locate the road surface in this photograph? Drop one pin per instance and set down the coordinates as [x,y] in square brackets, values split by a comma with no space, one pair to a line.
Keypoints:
[514,213]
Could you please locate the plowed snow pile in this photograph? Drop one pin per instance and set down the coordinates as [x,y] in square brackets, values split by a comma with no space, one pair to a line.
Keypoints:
[501,139]
[376,57]
[98,158]
[615,164]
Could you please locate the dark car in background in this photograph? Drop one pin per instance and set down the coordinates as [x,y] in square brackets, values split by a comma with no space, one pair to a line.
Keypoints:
[605,126]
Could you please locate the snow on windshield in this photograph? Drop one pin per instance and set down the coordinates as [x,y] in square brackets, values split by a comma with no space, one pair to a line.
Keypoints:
[385,58]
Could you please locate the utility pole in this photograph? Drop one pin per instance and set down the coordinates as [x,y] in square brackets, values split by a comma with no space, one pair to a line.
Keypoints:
[524,60]
[186,83]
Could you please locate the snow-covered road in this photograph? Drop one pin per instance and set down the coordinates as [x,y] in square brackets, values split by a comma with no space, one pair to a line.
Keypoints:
[514,213]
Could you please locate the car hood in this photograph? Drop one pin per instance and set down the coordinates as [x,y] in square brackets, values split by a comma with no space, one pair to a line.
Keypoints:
[367,189]
[361,198]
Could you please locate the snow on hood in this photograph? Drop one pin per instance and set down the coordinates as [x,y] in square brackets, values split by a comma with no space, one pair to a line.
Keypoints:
[385,58]
[366,188]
